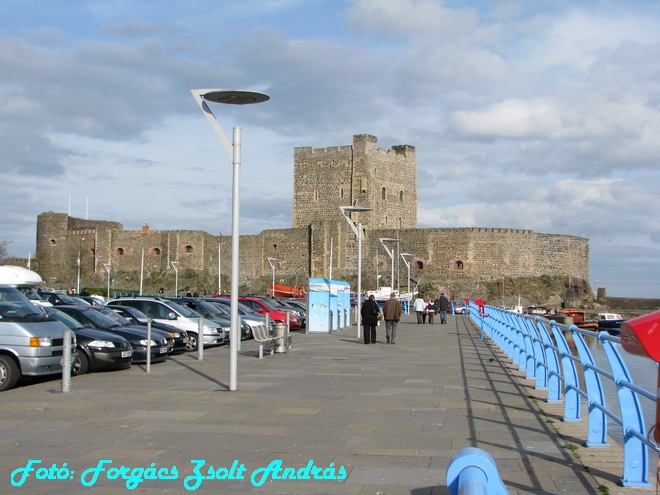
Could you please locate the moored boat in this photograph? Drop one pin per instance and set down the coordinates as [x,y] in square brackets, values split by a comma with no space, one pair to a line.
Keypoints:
[609,322]
[579,320]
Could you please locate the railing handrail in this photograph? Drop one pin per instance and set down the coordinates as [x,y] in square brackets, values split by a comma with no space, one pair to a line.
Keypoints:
[539,348]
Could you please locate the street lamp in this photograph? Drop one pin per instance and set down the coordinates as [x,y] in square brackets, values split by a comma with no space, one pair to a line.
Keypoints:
[403,257]
[345,210]
[107,269]
[79,253]
[270,262]
[383,240]
[176,277]
[230,97]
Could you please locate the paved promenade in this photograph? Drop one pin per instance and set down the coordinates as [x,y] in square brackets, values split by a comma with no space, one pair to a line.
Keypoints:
[384,419]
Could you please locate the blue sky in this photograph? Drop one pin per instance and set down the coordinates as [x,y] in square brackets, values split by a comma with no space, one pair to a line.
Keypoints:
[540,115]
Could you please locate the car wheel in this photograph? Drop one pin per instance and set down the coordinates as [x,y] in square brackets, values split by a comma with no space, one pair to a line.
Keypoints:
[9,373]
[81,364]
[191,345]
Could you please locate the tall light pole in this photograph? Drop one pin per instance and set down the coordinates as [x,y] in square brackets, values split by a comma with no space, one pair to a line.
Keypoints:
[403,257]
[79,254]
[383,240]
[230,97]
[107,269]
[270,262]
[345,210]
[176,277]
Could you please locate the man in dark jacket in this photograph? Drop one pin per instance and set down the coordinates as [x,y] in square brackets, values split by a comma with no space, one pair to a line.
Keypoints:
[392,313]
[443,306]
[369,314]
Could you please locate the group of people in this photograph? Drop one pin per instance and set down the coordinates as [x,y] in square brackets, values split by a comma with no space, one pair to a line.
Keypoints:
[423,308]
[370,315]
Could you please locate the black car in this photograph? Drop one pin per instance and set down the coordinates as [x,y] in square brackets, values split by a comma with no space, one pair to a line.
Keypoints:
[97,349]
[137,336]
[137,317]
[117,318]
[56,298]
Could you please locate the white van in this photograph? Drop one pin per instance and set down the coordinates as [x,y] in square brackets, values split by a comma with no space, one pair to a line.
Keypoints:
[31,344]
[24,280]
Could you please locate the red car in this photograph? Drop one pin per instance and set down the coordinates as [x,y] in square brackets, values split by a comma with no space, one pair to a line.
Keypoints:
[263,306]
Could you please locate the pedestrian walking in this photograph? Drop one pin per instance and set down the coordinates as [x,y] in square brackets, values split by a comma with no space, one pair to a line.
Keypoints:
[369,313]
[443,306]
[419,308]
[430,311]
[392,313]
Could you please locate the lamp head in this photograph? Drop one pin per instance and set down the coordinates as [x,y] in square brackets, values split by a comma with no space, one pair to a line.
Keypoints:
[235,96]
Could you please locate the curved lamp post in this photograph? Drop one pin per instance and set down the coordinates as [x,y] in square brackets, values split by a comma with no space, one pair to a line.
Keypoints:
[270,262]
[403,257]
[176,277]
[383,240]
[230,97]
[345,210]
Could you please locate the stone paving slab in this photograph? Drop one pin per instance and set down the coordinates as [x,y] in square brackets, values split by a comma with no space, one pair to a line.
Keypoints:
[389,416]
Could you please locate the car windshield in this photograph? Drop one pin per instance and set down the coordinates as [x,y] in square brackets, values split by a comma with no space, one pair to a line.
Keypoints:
[211,308]
[242,308]
[183,310]
[269,303]
[132,312]
[15,306]
[114,316]
[56,314]
[98,320]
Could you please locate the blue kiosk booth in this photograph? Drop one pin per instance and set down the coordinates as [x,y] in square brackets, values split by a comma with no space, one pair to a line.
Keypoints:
[328,305]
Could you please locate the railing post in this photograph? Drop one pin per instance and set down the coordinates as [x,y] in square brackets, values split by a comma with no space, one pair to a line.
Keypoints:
[635,453]
[571,382]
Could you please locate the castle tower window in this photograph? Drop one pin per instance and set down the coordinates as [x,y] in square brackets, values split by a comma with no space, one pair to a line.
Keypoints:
[53,242]
[420,265]
[383,193]
[399,222]
[274,248]
[316,195]
[155,251]
[341,192]
[385,221]
[400,196]
[120,251]
[363,185]
[458,264]
[189,249]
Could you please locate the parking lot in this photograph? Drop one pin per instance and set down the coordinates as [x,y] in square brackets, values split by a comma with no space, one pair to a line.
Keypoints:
[345,417]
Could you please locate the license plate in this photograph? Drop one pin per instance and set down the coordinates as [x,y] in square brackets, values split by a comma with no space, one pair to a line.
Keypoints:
[126,354]
[163,350]
[185,340]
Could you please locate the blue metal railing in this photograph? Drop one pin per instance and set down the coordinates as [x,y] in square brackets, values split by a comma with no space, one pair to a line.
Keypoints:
[542,349]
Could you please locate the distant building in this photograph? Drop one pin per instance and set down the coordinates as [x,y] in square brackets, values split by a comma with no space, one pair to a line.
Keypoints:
[324,179]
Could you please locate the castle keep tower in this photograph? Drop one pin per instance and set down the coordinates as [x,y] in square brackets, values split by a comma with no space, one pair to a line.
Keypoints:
[384,180]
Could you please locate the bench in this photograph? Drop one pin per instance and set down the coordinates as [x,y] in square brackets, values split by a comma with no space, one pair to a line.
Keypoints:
[260,334]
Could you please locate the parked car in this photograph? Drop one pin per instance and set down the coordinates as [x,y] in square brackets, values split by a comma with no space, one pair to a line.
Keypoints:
[211,312]
[300,313]
[116,317]
[137,336]
[264,306]
[137,317]
[253,319]
[97,349]
[31,344]
[169,312]
[56,298]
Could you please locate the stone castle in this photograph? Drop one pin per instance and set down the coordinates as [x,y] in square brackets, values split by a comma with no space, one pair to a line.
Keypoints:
[461,260]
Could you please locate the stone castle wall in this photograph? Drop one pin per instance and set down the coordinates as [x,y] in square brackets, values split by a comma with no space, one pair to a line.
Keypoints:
[324,180]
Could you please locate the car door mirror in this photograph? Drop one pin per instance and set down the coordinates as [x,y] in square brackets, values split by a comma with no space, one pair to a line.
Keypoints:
[171,315]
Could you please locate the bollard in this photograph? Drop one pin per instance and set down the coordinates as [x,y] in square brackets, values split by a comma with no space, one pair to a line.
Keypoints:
[279,336]
[472,471]
[66,362]
[200,340]
[149,346]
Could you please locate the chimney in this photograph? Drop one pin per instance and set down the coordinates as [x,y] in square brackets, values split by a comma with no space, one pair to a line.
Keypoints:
[145,227]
